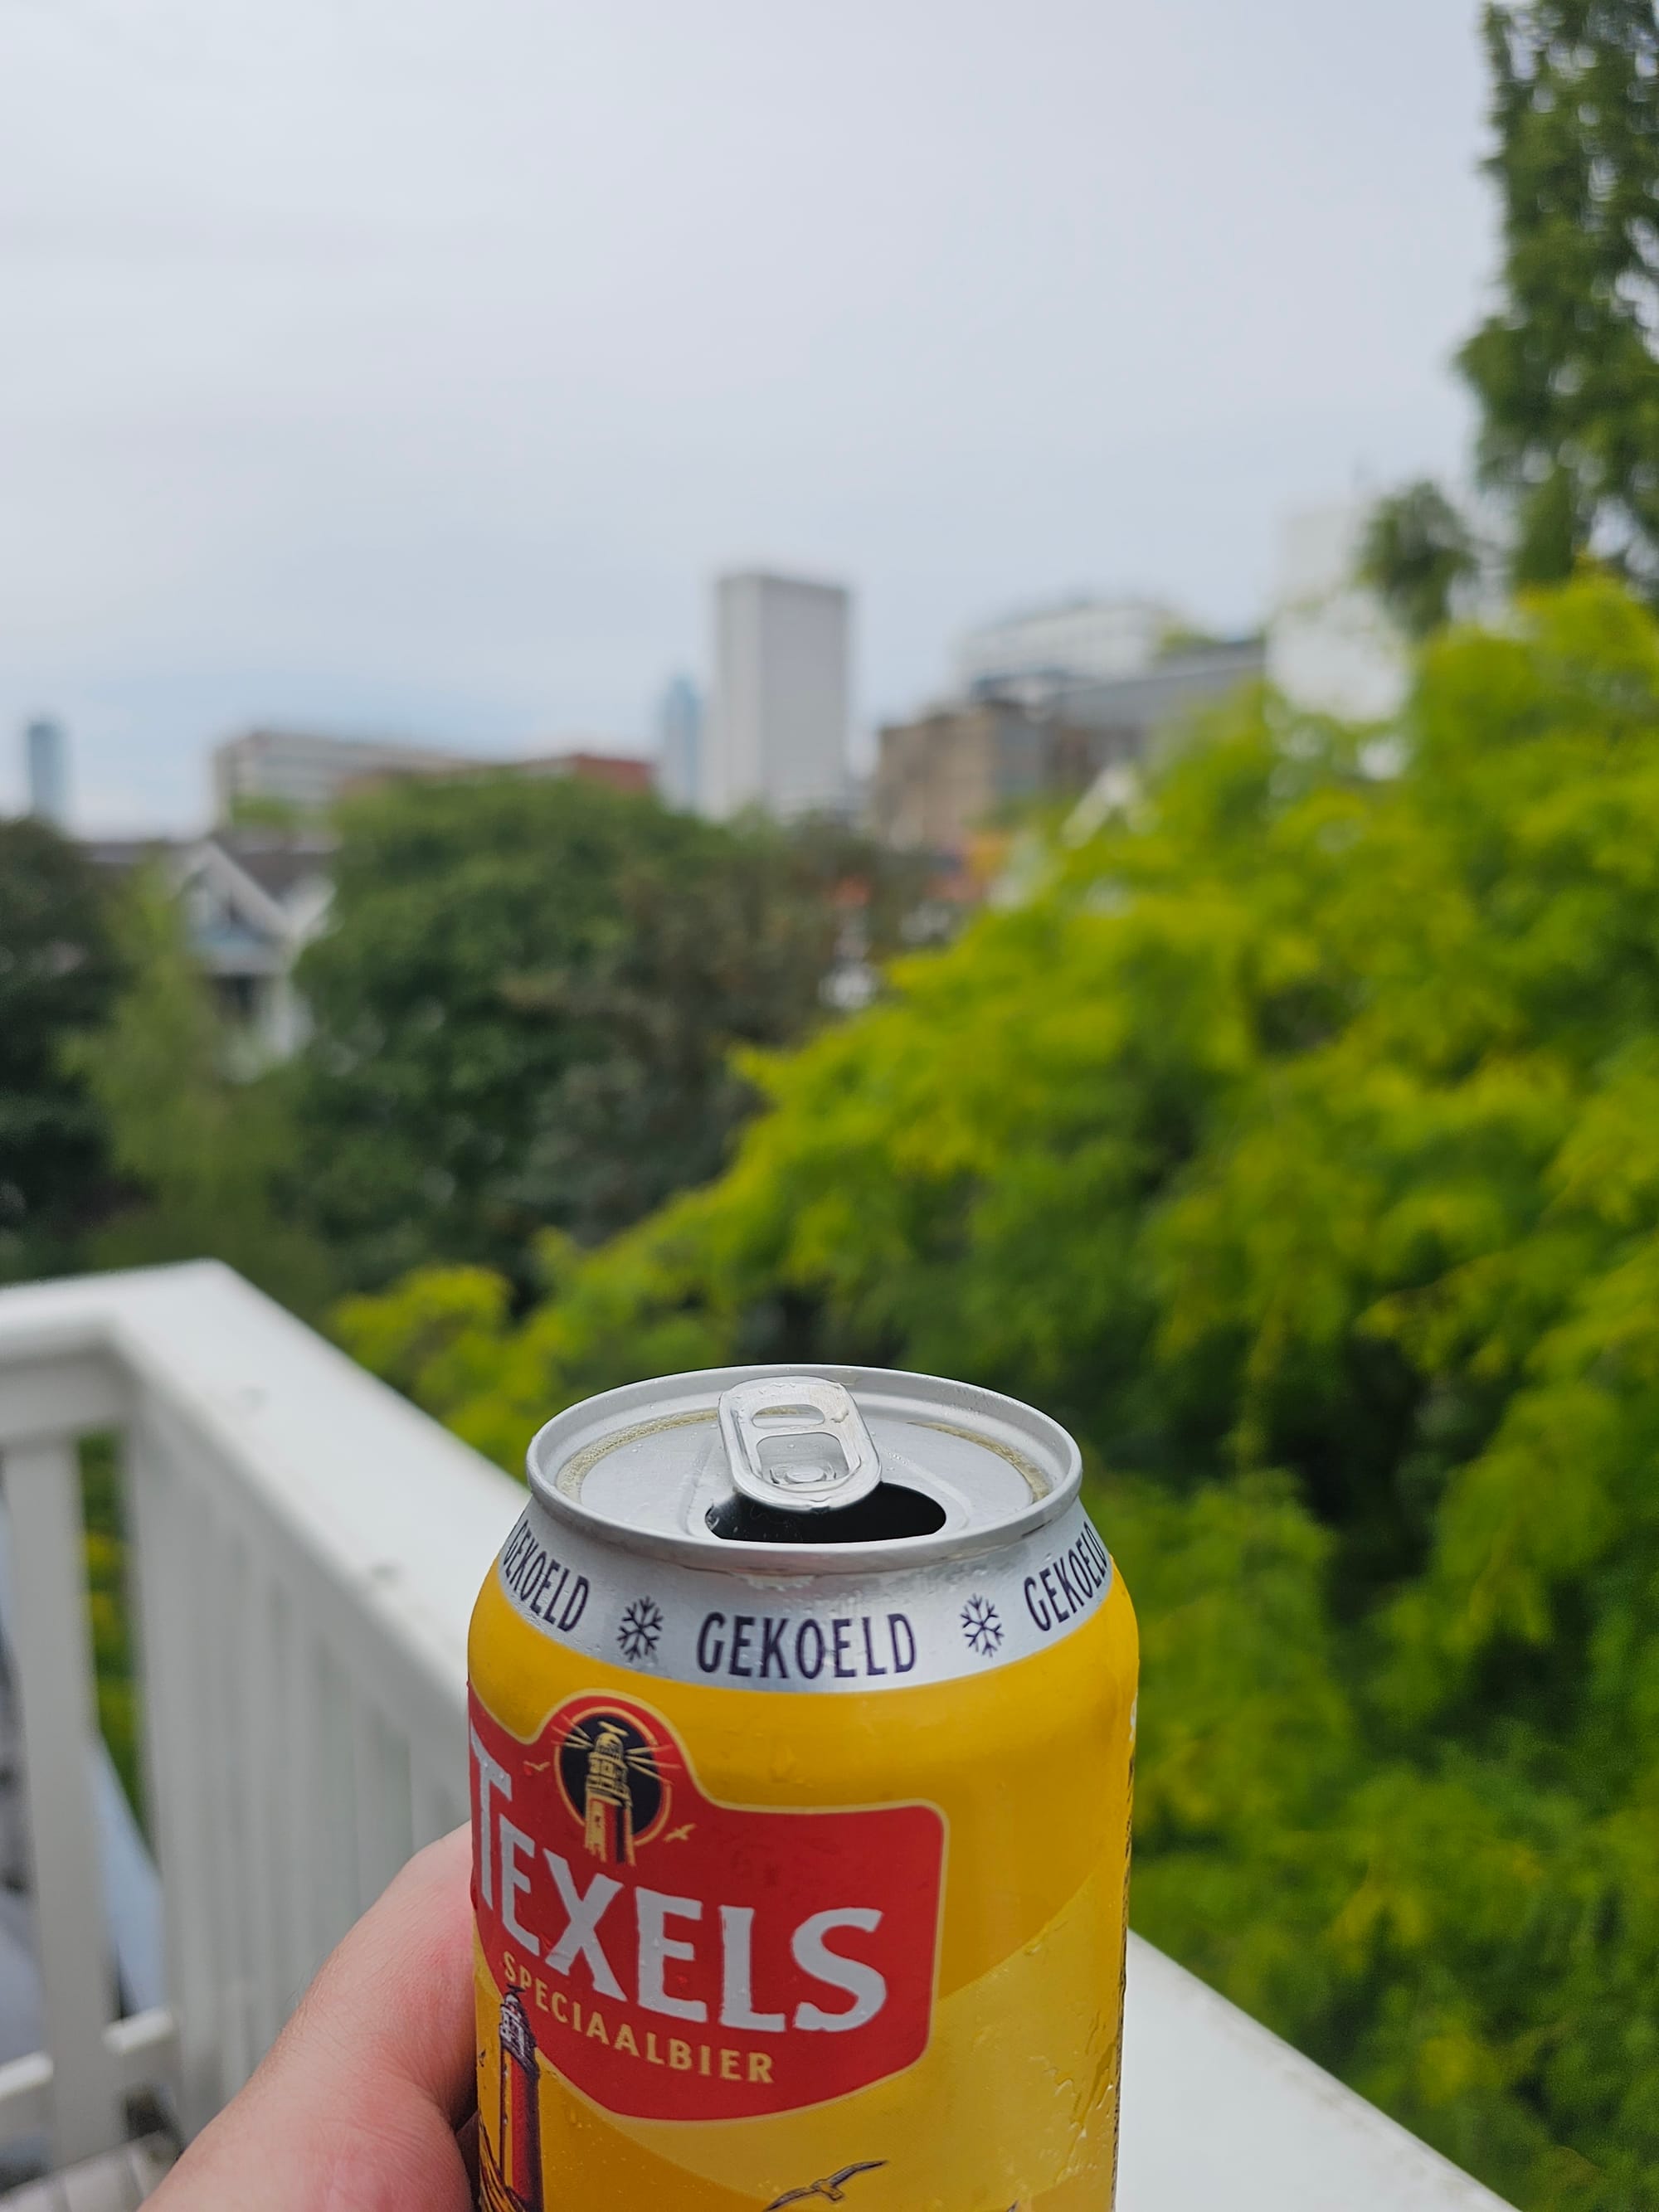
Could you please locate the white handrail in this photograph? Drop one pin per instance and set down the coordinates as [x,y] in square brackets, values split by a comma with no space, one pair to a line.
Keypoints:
[306,1548]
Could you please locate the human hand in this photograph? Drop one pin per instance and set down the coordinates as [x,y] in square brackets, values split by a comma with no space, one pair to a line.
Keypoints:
[357,2107]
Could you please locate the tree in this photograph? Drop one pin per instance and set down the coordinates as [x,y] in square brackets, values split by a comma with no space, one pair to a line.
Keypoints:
[1564,369]
[204,1156]
[1417,550]
[57,971]
[527,1003]
[1299,1144]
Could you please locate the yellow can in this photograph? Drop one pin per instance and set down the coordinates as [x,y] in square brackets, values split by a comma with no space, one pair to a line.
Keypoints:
[802,1735]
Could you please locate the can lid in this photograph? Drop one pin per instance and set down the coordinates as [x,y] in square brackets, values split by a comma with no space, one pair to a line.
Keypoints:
[798,1471]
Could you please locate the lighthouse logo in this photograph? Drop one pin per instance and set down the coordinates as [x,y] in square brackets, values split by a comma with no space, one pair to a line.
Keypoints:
[611,1772]
[510,2166]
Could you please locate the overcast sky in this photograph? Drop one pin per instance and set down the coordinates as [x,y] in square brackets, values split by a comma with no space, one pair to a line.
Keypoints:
[409,365]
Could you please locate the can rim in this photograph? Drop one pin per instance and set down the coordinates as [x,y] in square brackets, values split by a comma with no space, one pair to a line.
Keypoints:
[1033,1442]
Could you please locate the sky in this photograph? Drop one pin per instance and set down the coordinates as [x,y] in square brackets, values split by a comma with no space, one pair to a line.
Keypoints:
[408,367]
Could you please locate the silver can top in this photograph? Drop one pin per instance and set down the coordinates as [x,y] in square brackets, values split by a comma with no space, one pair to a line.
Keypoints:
[803,1471]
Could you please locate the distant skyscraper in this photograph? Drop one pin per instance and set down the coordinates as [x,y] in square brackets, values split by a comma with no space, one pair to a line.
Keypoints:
[777,730]
[679,743]
[46,750]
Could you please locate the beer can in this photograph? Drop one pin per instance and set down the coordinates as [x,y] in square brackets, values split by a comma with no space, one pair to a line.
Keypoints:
[802,1716]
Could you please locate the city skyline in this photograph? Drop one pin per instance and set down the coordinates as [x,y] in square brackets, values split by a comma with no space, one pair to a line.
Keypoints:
[387,439]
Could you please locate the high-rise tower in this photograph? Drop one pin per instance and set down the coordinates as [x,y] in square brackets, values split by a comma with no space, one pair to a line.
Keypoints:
[777,730]
[679,743]
[46,749]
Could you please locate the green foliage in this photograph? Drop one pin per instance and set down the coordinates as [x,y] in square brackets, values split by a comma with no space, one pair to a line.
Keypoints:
[1298,1143]
[204,1156]
[525,1008]
[258,809]
[1417,550]
[1564,369]
[57,973]
[1179,638]
[106,1553]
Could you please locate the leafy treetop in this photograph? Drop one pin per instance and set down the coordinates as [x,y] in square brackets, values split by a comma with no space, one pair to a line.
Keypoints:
[1417,550]
[1298,1143]
[1565,368]
[58,970]
[204,1158]
[526,1006]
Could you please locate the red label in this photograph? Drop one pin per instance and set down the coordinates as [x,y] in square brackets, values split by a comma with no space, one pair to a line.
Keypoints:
[679,1960]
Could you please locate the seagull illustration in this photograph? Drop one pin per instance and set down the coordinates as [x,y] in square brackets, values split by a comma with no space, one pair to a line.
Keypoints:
[832,2186]
[679,1835]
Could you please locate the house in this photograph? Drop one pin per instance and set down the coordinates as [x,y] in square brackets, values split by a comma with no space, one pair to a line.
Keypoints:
[254,899]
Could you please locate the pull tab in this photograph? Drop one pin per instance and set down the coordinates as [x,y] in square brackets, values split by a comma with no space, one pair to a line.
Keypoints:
[798,1442]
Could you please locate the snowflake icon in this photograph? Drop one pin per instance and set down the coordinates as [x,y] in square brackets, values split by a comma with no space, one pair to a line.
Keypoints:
[982,1626]
[641,1625]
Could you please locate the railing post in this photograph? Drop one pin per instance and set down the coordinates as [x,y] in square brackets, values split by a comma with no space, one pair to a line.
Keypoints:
[52,1646]
[170,1534]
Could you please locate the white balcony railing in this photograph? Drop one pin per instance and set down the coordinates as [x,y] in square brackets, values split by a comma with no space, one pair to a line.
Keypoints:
[305,1548]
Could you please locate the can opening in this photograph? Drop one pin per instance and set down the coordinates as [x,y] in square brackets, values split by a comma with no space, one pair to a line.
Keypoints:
[888,1510]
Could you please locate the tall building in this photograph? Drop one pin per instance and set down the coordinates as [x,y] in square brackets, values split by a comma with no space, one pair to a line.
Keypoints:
[308,773]
[954,769]
[679,743]
[1077,641]
[947,773]
[46,749]
[777,733]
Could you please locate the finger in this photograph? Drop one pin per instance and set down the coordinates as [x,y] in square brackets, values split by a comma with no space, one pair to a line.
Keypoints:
[355,2107]
[395,2000]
